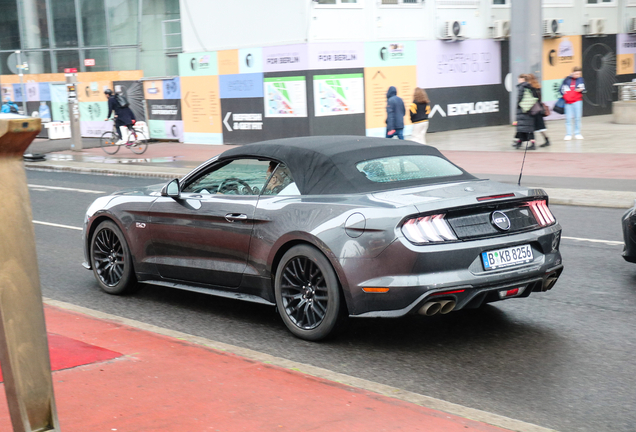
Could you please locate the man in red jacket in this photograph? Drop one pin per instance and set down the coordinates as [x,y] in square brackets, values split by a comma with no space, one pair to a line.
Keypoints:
[572,90]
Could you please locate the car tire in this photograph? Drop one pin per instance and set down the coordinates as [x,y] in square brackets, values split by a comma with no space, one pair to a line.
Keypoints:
[111,260]
[308,294]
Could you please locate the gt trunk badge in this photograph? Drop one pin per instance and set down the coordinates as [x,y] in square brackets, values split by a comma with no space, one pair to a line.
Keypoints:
[500,220]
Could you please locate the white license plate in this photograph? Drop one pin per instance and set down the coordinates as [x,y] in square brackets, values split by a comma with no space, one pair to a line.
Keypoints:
[506,257]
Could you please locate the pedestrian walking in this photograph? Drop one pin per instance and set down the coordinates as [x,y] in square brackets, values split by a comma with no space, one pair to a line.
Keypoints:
[572,90]
[9,107]
[525,121]
[538,111]
[123,115]
[395,112]
[419,110]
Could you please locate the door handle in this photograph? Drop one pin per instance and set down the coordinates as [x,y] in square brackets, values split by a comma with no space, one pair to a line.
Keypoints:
[231,217]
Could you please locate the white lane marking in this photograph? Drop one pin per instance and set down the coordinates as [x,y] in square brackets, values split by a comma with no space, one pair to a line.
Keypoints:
[57,225]
[66,189]
[383,389]
[611,242]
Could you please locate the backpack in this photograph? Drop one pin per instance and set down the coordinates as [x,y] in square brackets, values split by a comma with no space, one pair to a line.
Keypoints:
[121,100]
[527,101]
[13,109]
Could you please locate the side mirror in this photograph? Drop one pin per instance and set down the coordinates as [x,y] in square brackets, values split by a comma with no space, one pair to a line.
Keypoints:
[171,189]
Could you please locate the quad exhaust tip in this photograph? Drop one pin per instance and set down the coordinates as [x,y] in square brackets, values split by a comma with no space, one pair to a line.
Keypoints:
[549,283]
[434,307]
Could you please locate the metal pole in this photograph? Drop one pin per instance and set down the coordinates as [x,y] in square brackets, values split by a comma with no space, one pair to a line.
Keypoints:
[139,22]
[24,352]
[526,44]
[73,112]
[21,72]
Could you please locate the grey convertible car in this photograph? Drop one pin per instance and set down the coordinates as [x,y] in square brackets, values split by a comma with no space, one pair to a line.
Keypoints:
[326,228]
[628,222]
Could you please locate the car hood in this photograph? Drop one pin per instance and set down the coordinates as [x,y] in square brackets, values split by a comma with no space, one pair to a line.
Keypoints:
[152,190]
[454,194]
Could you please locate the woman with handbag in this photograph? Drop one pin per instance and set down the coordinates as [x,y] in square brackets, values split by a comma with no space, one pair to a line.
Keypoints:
[539,110]
[526,99]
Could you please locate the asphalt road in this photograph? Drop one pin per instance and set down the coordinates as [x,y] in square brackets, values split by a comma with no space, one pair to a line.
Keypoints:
[562,359]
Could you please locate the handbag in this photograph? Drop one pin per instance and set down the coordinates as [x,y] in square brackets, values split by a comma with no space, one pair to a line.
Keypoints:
[546,110]
[537,108]
[559,106]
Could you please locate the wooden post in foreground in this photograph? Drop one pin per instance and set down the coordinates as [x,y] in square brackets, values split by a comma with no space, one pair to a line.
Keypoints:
[24,352]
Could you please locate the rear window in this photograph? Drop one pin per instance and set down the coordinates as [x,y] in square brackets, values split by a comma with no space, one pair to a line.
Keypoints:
[410,167]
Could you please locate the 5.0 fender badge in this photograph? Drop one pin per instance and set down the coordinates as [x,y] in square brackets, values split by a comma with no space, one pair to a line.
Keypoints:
[500,220]
[140,225]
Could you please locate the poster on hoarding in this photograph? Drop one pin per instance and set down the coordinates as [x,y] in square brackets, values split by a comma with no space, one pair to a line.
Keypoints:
[469,63]
[338,94]
[285,96]
[164,109]
[377,82]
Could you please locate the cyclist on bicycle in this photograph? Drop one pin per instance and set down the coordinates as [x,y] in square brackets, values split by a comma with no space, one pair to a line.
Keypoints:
[123,115]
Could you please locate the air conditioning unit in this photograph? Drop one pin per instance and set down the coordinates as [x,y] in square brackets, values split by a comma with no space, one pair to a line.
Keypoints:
[452,30]
[501,29]
[551,27]
[596,26]
[632,25]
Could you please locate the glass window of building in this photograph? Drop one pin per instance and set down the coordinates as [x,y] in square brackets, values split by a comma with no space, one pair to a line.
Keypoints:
[9,27]
[94,23]
[101,60]
[64,23]
[124,59]
[67,59]
[38,61]
[4,65]
[122,17]
[35,30]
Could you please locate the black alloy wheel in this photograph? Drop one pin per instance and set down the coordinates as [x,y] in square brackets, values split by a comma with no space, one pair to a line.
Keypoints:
[111,261]
[308,294]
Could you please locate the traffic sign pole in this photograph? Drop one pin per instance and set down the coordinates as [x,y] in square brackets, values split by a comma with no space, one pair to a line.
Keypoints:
[73,112]
[21,70]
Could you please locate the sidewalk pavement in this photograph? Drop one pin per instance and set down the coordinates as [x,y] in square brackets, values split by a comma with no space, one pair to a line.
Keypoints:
[122,375]
[597,171]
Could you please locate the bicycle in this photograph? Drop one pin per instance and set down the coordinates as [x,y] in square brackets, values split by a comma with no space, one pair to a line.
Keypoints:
[136,141]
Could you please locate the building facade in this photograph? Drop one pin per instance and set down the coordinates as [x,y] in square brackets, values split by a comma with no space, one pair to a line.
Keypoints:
[90,35]
[215,72]
[324,66]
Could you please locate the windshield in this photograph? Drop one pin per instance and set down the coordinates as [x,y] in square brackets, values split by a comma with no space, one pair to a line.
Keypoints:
[408,167]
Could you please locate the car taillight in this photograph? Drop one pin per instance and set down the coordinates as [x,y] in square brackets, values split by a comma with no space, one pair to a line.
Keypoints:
[541,212]
[428,229]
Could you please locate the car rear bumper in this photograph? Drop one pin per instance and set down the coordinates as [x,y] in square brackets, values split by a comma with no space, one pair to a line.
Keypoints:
[415,274]
[629,235]
[471,297]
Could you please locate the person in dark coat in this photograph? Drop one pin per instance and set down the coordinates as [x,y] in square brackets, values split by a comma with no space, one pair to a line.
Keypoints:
[123,115]
[525,120]
[395,112]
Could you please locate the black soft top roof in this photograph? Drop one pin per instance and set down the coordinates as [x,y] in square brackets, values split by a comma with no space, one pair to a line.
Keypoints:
[327,164]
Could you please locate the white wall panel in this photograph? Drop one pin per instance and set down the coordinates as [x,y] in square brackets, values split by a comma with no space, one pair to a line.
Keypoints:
[210,25]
